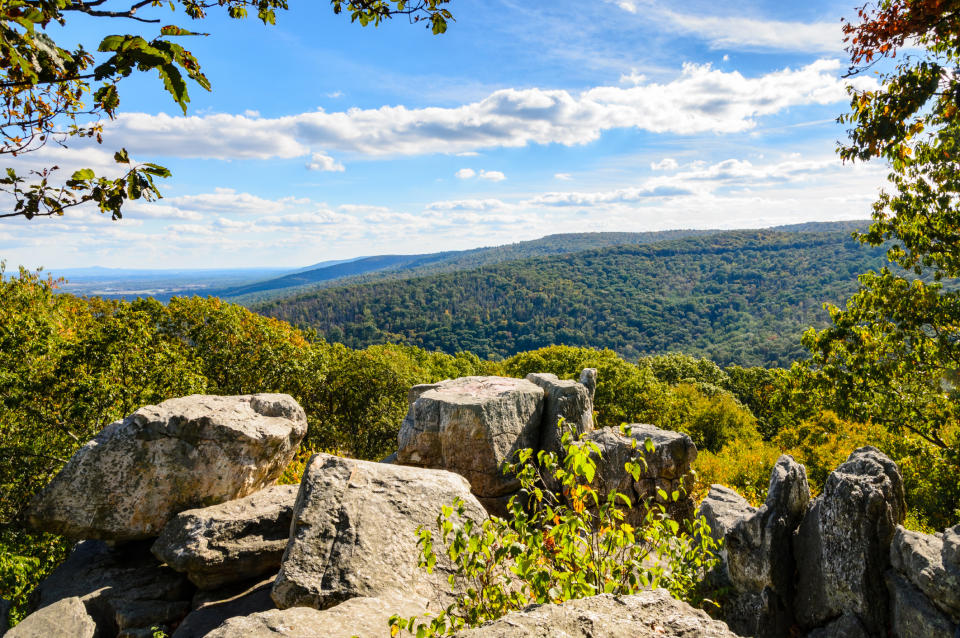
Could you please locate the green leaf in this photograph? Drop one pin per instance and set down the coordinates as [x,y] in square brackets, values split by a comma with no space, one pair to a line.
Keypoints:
[174,30]
[83,174]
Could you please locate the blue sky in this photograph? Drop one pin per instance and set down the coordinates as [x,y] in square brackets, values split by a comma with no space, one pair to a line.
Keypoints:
[323,140]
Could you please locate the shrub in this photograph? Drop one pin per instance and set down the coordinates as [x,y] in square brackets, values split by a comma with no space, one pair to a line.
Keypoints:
[713,419]
[741,466]
[560,548]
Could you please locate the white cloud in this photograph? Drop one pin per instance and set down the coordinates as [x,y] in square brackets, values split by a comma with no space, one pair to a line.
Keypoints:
[666,164]
[492,176]
[225,200]
[563,177]
[734,32]
[335,94]
[321,162]
[465,173]
[700,100]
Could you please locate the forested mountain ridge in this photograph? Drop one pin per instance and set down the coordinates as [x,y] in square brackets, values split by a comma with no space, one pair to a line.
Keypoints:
[737,297]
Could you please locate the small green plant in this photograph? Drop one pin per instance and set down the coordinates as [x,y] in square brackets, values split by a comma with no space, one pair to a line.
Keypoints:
[557,547]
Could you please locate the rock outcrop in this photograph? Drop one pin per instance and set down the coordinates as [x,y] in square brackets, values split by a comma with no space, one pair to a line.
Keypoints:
[912,615]
[929,566]
[472,426]
[125,590]
[213,608]
[759,556]
[230,542]
[66,618]
[364,617]
[648,614]
[185,453]
[563,399]
[666,466]
[354,532]
[842,546]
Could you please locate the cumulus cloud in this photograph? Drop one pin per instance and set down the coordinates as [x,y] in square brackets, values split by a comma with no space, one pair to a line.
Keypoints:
[492,176]
[563,177]
[321,162]
[465,173]
[700,100]
[225,200]
[666,164]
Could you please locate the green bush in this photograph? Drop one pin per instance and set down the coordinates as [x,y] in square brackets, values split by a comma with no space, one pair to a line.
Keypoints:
[553,549]
[713,419]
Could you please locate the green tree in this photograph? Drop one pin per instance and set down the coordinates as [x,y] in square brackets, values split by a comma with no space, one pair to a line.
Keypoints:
[893,353]
[51,93]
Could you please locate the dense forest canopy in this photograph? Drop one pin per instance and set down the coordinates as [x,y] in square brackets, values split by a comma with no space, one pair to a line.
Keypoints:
[740,297]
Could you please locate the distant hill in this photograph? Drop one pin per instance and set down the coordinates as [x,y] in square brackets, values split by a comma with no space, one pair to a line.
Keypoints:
[737,297]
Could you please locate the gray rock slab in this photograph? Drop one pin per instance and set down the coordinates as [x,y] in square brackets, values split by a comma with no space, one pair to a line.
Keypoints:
[846,626]
[759,554]
[67,618]
[951,546]
[920,559]
[911,613]
[364,617]
[123,588]
[649,614]
[163,459]
[213,608]
[472,426]
[563,399]
[667,467]
[721,508]
[842,547]
[354,532]
[588,377]
[230,542]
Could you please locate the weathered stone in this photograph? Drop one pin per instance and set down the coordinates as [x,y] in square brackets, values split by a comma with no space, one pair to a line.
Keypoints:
[759,556]
[567,400]
[668,467]
[67,618]
[185,453]
[472,426]
[951,546]
[354,531]
[364,617]
[123,588]
[588,377]
[911,613]
[722,508]
[842,547]
[230,542]
[212,608]
[846,626]
[648,614]
[920,559]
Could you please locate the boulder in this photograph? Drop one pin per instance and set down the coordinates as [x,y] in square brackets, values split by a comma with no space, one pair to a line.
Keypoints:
[124,588]
[230,542]
[567,400]
[212,608]
[163,459]
[842,546]
[648,614]
[472,426]
[759,556]
[721,509]
[364,617]
[911,613]
[354,532]
[951,546]
[588,377]
[67,618]
[668,468]
[920,559]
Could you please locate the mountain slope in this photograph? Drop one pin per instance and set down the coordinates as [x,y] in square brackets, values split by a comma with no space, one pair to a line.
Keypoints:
[737,297]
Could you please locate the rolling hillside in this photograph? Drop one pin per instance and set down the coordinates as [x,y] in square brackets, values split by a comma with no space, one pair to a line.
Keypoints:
[738,297]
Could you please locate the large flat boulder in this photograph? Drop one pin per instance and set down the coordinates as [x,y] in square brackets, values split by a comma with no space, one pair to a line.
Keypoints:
[648,614]
[722,508]
[354,532]
[666,466]
[163,459]
[124,589]
[364,617]
[472,426]
[563,399]
[921,559]
[842,546]
[759,555]
[230,542]
[67,618]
